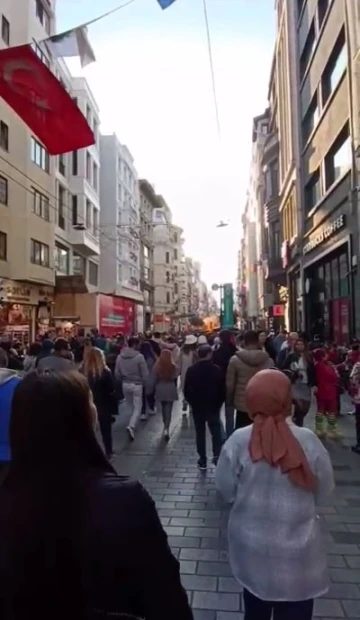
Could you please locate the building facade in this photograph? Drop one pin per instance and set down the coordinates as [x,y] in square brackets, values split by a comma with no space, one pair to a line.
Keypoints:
[329,251]
[120,226]
[163,269]
[27,188]
[148,205]
[77,217]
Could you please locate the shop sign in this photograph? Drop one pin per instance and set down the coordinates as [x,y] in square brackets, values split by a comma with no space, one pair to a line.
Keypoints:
[21,292]
[325,233]
[278,310]
[116,314]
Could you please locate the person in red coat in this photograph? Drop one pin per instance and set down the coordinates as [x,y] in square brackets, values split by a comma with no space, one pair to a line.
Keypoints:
[326,394]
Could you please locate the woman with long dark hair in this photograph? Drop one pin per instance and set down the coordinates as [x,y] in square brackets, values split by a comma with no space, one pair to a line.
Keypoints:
[164,381]
[77,541]
[102,386]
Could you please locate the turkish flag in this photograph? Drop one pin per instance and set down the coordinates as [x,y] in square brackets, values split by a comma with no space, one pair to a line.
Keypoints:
[37,96]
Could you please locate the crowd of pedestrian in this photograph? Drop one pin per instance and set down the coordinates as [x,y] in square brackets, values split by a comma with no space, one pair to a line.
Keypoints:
[95,537]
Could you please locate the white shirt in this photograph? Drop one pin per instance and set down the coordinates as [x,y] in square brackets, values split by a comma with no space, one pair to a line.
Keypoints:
[275,543]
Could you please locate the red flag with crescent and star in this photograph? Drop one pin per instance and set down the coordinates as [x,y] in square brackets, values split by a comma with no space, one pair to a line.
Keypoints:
[41,101]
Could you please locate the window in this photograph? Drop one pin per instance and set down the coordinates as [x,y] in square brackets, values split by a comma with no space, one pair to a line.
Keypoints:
[276,241]
[3,246]
[39,253]
[167,277]
[62,169]
[93,273]
[40,204]
[271,180]
[42,15]
[119,273]
[74,209]
[96,131]
[75,163]
[4,197]
[61,259]
[95,176]
[310,120]
[338,160]
[5,30]
[88,214]
[79,265]
[344,275]
[88,114]
[146,251]
[88,167]
[168,298]
[95,222]
[39,155]
[335,68]
[40,54]
[308,50]
[167,258]
[61,206]
[322,7]
[146,273]
[175,254]
[176,288]
[4,136]
[313,191]
[175,238]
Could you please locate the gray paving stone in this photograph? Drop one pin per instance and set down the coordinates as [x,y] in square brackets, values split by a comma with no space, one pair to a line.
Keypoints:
[177,498]
[345,575]
[199,582]
[183,541]
[205,514]
[347,538]
[219,569]
[337,549]
[228,615]
[168,512]
[353,561]
[187,522]
[337,561]
[206,532]
[188,506]
[207,555]
[187,567]
[216,601]
[174,531]
[214,543]
[228,584]
[352,608]
[325,607]
[354,502]
[343,591]
[204,614]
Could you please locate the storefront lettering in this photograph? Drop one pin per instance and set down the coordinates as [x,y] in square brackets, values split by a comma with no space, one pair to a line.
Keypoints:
[328,231]
[20,293]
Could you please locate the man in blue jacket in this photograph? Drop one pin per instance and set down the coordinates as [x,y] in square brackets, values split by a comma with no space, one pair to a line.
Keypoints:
[9,379]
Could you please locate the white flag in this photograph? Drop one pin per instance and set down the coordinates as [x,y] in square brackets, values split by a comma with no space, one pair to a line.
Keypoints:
[72,43]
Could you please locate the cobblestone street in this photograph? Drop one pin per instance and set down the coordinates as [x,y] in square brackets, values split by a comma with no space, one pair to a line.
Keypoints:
[195,520]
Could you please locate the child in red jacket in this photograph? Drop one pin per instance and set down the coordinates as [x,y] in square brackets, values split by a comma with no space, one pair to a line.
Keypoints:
[326,395]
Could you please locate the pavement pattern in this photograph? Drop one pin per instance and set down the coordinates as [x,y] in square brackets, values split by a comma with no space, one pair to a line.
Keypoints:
[196,521]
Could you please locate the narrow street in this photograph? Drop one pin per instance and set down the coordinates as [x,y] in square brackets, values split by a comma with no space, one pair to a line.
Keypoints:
[195,520]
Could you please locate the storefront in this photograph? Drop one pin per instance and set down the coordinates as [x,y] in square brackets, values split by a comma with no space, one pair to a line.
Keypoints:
[327,285]
[115,315]
[25,310]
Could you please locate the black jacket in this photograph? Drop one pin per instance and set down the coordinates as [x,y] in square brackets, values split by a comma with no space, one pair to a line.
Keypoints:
[129,567]
[103,391]
[204,387]
[222,356]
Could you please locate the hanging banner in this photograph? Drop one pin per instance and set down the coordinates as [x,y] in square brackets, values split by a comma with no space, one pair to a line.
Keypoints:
[228,306]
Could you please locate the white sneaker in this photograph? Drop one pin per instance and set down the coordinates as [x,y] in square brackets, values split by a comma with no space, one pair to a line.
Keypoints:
[143,417]
[166,435]
[131,433]
[152,411]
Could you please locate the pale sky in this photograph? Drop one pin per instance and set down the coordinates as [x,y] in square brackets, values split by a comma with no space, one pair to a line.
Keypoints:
[153,85]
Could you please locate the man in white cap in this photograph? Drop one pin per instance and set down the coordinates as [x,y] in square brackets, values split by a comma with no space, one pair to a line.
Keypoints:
[187,358]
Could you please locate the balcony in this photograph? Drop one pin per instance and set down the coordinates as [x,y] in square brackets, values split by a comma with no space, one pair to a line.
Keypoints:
[271,210]
[84,241]
[273,270]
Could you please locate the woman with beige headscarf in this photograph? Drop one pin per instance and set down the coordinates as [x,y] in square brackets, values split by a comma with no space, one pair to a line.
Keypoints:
[273,473]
